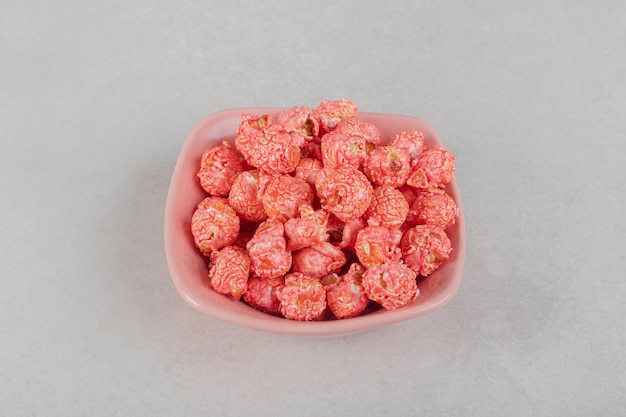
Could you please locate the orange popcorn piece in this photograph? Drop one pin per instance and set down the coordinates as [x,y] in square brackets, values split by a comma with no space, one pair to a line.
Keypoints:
[299,119]
[269,257]
[345,295]
[410,143]
[284,194]
[244,196]
[218,167]
[345,192]
[261,294]
[229,271]
[425,248]
[331,112]
[355,127]
[432,168]
[434,208]
[307,230]
[387,165]
[375,244]
[341,150]
[388,208]
[391,284]
[301,297]
[319,260]
[214,225]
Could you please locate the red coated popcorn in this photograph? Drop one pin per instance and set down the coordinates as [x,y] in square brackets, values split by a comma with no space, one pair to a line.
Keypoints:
[218,166]
[312,193]
[433,168]
[391,284]
[301,297]
[410,143]
[388,208]
[299,119]
[387,165]
[308,169]
[268,146]
[307,230]
[331,112]
[344,294]
[261,294]
[355,127]
[229,271]
[214,225]
[269,257]
[341,150]
[375,244]
[434,208]
[244,197]
[319,260]
[425,248]
[345,192]
[284,194]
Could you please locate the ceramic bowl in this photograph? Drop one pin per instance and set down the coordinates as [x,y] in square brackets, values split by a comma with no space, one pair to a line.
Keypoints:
[188,267]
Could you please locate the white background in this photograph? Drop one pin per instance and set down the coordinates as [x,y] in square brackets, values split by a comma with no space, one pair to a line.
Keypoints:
[96,99]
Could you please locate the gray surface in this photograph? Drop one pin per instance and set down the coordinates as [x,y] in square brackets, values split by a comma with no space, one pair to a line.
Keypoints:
[96,100]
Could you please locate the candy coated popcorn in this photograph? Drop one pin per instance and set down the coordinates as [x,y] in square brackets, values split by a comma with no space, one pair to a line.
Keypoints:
[425,248]
[345,192]
[375,244]
[391,284]
[434,208]
[410,143]
[312,194]
[284,194]
[307,170]
[432,168]
[301,297]
[214,225]
[355,127]
[386,165]
[261,294]
[345,295]
[269,257]
[268,146]
[388,208]
[307,230]
[299,119]
[341,150]
[331,112]
[244,196]
[229,271]
[218,166]
[319,260]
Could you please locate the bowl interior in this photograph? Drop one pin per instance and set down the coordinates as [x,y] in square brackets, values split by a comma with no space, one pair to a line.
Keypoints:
[188,267]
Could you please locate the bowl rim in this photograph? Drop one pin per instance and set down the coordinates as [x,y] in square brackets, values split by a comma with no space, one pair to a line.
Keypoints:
[280,325]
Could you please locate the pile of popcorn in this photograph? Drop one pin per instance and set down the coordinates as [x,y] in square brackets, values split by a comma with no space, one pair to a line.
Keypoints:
[312,217]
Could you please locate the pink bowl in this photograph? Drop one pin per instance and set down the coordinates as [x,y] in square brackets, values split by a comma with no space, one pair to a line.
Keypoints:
[188,268]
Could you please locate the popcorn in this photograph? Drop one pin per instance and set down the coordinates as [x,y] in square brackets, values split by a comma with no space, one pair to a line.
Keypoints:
[311,216]
[310,229]
[425,248]
[374,245]
[387,165]
[218,167]
[345,192]
[244,196]
[434,208]
[432,168]
[261,294]
[301,297]
[388,208]
[331,112]
[214,225]
[391,284]
[284,194]
[319,260]
[229,271]
[345,295]
[268,252]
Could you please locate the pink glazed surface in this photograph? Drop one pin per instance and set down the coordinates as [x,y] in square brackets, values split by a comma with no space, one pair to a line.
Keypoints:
[188,267]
